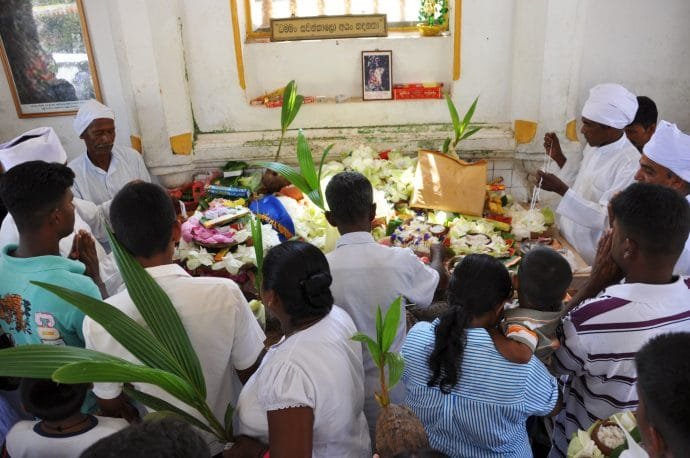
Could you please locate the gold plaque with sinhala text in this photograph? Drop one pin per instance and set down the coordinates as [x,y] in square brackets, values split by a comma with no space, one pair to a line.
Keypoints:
[323,27]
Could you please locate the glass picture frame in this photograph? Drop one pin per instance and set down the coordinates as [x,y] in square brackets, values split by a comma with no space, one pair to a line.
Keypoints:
[377,75]
[47,57]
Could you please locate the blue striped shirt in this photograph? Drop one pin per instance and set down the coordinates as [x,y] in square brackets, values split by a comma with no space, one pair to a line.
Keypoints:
[484,414]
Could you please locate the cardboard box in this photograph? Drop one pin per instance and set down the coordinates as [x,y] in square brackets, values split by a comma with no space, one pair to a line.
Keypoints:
[418,91]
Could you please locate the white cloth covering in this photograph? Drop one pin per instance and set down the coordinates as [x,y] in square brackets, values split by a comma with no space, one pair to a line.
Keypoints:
[98,186]
[40,144]
[24,441]
[611,105]
[88,112]
[319,367]
[220,325]
[670,147]
[110,275]
[582,214]
[366,274]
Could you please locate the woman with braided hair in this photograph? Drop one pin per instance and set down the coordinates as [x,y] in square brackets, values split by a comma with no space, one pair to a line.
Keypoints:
[470,399]
[307,397]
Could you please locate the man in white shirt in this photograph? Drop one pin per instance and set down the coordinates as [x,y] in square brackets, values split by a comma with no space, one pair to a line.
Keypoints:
[366,274]
[105,167]
[220,325]
[666,161]
[614,319]
[609,163]
[43,144]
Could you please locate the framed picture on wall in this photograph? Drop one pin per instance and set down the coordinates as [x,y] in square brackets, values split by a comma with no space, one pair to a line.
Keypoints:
[377,75]
[46,53]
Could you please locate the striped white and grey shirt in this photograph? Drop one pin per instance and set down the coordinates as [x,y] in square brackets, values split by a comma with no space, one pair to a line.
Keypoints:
[484,414]
[599,340]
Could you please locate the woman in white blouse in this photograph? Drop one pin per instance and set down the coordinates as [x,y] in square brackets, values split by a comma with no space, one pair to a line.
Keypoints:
[307,397]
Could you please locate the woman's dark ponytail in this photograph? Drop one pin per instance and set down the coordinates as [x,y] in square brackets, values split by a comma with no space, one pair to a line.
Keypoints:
[479,284]
[446,358]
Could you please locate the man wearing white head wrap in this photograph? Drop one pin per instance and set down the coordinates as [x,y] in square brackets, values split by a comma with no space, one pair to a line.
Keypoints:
[43,144]
[40,144]
[105,167]
[666,161]
[609,163]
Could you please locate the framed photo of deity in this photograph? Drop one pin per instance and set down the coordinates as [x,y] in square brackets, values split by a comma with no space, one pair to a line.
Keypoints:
[46,53]
[377,75]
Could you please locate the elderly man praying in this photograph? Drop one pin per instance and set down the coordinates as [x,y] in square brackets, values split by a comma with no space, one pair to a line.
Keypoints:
[105,168]
[666,161]
[609,163]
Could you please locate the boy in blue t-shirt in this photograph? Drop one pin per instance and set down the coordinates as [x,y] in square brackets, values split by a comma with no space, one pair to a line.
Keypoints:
[38,196]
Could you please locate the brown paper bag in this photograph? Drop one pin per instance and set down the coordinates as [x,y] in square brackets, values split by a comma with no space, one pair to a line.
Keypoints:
[443,182]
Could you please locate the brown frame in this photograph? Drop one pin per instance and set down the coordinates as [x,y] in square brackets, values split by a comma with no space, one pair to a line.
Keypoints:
[58,111]
[377,94]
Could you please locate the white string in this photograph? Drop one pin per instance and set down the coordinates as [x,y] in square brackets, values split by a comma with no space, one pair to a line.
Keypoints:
[537,189]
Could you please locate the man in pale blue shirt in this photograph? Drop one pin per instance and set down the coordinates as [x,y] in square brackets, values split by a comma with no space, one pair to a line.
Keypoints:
[366,273]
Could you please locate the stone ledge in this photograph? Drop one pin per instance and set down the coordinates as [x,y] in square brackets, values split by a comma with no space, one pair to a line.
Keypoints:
[494,139]
[493,142]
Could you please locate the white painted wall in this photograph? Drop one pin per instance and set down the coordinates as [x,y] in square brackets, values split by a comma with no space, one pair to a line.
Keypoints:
[645,47]
[164,65]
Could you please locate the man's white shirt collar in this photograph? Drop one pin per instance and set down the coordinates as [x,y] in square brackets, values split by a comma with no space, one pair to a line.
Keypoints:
[355,238]
[645,292]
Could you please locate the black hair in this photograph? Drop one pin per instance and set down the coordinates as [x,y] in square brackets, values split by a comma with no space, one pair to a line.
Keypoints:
[142,216]
[298,273]
[160,438]
[544,277]
[32,189]
[51,401]
[647,113]
[479,284]
[654,216]
[349,196]
[663,380]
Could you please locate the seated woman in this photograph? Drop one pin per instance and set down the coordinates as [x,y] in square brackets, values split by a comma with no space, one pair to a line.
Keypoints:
[470,399]
[307,397]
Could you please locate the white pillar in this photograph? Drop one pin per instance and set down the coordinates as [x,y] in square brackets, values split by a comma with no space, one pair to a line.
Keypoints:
[151,60]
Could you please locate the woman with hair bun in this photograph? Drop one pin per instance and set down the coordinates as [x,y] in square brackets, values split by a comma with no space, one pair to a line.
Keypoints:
[470,399]
[307,397]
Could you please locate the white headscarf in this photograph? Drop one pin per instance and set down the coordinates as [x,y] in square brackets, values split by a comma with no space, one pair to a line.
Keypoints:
[90,110]
[610,104]
[670,147]
[40,144]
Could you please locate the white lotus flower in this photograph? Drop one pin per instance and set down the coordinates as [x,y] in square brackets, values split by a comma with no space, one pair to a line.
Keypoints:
[526,221]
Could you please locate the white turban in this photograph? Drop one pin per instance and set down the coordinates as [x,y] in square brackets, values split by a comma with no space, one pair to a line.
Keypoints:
[90,110]
[40,144]
[610,104]
[670,147]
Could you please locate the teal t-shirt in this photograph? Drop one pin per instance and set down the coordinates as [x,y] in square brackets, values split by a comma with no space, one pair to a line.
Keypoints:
[33,315]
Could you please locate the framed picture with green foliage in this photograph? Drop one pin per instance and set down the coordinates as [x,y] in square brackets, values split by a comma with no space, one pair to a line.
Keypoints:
[47,57]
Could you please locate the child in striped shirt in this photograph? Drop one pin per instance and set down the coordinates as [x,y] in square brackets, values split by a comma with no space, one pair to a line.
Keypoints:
[530,328]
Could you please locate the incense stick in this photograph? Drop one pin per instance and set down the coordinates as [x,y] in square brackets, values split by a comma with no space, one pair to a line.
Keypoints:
[537,189]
